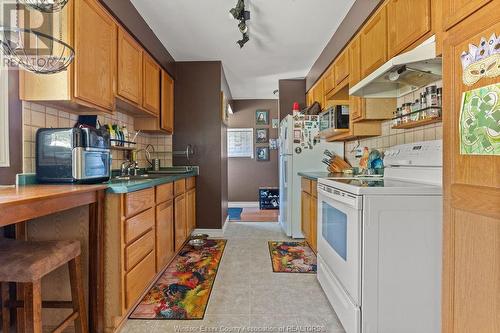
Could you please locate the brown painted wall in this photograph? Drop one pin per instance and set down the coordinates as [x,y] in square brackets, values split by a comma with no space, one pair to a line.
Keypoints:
[357,15]
[125,12]
[198,122]
[246,175]
[290,91]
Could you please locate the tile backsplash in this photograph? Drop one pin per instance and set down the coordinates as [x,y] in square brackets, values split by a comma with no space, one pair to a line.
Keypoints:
[37,116]
[391,137]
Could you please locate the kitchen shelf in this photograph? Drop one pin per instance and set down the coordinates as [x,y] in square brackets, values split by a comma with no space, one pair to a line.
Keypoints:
[437,108]
[122,148]
[329,132]
[417,123]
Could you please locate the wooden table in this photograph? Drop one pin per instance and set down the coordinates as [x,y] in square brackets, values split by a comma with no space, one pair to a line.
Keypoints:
[22,203]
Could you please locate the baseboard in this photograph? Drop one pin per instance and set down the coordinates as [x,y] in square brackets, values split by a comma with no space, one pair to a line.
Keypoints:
[217,233]
[243,204]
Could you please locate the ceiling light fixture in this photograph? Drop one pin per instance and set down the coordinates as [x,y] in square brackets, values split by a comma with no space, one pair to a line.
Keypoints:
[239,13]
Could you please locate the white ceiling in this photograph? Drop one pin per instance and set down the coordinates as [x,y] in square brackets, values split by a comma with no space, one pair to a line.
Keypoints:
[286,37]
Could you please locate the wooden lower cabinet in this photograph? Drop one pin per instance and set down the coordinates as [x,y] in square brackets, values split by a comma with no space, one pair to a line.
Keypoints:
[309,204]
[164,234]
[180,221]
[191,210]
[143,231]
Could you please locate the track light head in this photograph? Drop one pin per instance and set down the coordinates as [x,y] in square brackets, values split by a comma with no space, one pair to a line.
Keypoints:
[238,11]
[243,27]
[243,40]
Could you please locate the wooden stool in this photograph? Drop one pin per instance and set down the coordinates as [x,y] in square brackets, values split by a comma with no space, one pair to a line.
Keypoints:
[26,263]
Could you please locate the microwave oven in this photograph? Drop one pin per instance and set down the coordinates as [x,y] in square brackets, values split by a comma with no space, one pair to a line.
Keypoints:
[334,117]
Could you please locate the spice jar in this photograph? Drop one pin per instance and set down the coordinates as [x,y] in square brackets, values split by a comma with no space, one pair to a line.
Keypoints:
[432,99]
[423,101]
[440,96]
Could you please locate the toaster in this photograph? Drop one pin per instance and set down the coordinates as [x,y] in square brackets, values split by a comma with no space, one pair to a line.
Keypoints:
[72,155]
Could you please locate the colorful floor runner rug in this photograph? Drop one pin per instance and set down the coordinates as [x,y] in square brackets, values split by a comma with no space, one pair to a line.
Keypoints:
[292,257]
[183,290]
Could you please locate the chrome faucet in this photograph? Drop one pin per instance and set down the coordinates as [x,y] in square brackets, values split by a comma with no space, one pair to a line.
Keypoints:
[125,168]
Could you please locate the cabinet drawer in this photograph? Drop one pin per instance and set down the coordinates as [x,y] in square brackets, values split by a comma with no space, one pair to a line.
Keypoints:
[139,224]
[136,251]
[139,278]
[314,188]
[179,187]
[305,185]
[190,183]
[164,192]
[136,202]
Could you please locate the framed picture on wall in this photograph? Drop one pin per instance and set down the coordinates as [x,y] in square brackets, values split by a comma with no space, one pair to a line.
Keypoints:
[262,153]
[261,135]
[262,117]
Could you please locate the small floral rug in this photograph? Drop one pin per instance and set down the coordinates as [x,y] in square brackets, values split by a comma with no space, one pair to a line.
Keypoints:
[292,257]
[183,290]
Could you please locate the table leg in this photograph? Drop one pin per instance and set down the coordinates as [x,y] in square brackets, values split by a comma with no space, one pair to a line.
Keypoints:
[96,264]
[21,233]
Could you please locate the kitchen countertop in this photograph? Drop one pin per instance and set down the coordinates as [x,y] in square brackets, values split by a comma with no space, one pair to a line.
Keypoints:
[125,186]
[315,175]
[27,186]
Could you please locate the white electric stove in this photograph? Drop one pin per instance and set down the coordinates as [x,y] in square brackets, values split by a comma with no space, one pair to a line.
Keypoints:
[379,243]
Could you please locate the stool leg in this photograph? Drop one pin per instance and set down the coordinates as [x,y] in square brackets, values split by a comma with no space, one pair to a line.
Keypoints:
[77,295]
[5,307]
[33,307]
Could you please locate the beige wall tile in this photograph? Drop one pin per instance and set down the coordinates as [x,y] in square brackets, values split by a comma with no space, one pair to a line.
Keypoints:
[418,135]
[37,118]
[439,132]
[430,134]
[51,121]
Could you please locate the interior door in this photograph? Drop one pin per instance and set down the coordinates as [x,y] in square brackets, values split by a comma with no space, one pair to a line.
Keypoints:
[471,267]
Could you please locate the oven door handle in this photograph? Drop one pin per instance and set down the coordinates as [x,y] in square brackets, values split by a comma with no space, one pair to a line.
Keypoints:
[347,198]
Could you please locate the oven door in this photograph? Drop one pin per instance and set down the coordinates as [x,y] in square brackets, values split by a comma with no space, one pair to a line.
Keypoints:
[339,237]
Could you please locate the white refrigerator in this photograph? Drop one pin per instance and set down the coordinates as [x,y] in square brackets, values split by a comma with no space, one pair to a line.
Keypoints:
[300,150]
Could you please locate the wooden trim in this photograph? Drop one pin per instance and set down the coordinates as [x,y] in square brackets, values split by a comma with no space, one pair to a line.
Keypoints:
[8,174]
[469,198]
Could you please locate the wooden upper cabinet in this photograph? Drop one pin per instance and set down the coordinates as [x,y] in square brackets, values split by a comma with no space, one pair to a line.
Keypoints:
[319,93]
[151,85]
[95,54]
[407,22]
[455,11]
[354,52]
[129,68]
[329,80]
[341,67]
[374,43]
[167,102]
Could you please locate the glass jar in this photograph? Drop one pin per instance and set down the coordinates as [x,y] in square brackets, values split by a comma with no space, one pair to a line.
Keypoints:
[440,96]
[423,101]
[432,98]
[405,112]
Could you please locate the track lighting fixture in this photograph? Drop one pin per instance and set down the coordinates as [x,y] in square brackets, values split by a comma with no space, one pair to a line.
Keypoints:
[243,27]
[243,40]
[239,13]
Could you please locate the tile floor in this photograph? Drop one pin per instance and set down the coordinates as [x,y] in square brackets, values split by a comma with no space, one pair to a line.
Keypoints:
[248,297]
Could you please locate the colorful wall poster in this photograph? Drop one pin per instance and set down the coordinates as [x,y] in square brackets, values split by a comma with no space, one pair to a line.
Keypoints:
[479,123]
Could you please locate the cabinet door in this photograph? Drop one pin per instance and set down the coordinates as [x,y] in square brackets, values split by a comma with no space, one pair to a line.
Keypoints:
[95,49]
[329,80]
[180,221]
[355,108]
[471,250]
[309,99]
[191,210]
[399,14]
[167,103]
[341,67]
[314,223]
[319,93]
[151,85]
[164,234]
[374,43]
[129,68]
[305,215]
[354,62]
[455,11]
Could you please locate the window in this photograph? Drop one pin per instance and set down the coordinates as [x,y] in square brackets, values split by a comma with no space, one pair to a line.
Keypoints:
[240,142]
[4,116]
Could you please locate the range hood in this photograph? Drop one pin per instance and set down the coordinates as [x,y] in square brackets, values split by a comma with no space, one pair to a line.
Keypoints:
[402,74]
